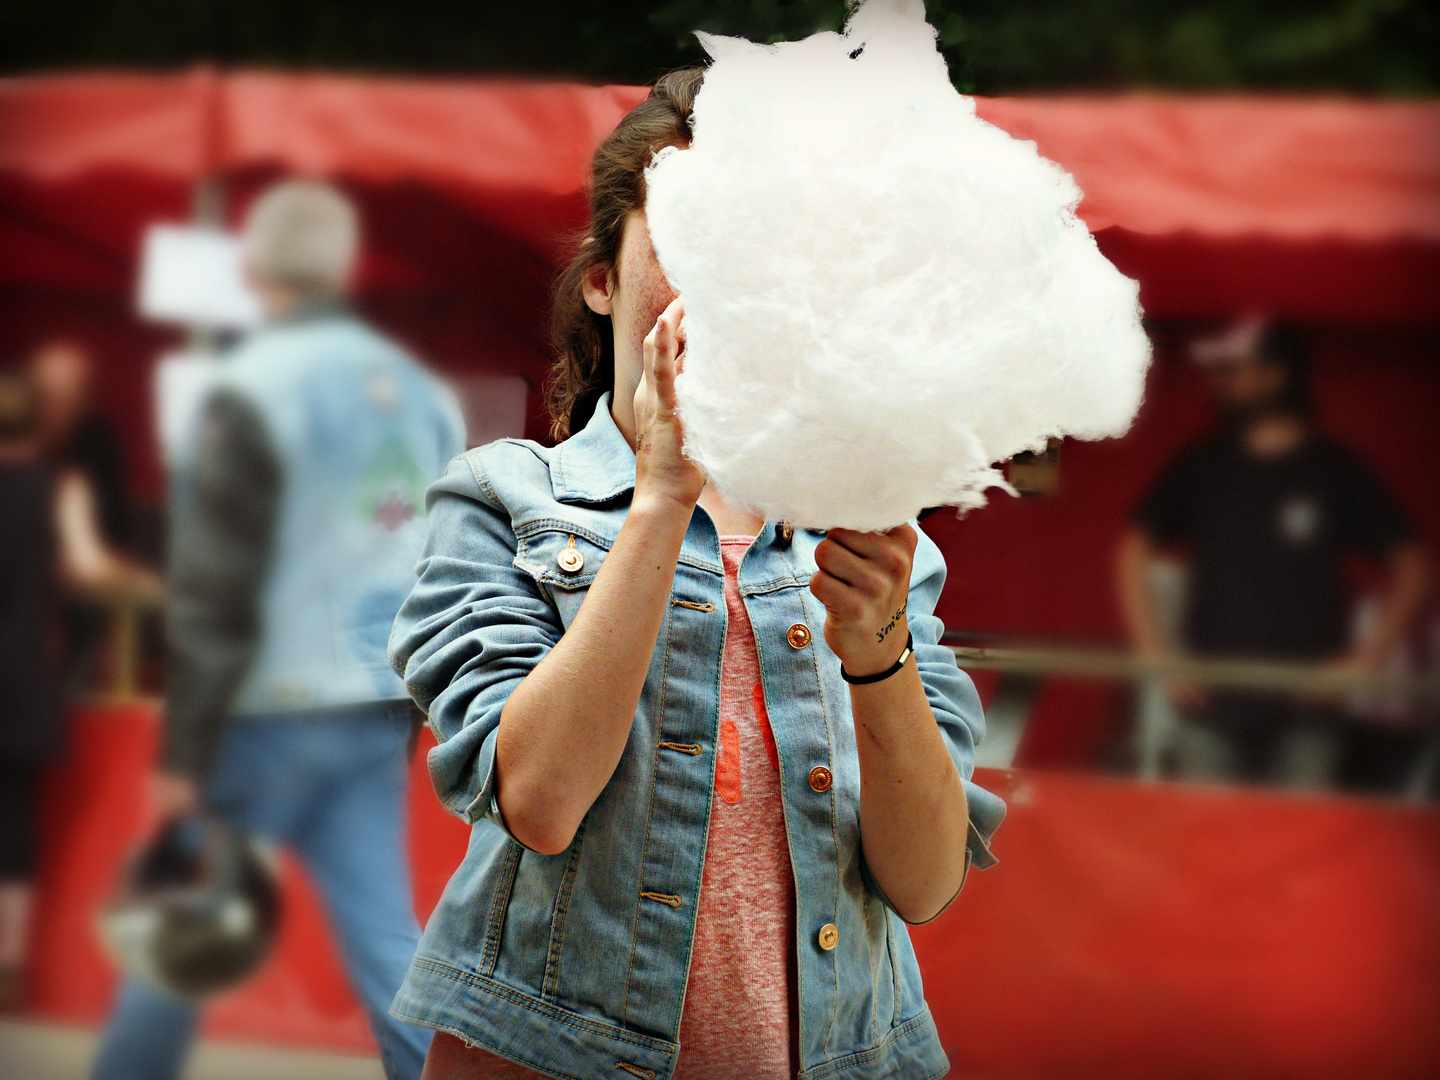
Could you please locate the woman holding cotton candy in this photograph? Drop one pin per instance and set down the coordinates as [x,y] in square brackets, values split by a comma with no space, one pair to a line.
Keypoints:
[712,761]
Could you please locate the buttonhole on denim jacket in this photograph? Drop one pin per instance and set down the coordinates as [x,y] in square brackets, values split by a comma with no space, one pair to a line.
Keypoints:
[663,898]
[682,747]
[692,605]
[636,1070]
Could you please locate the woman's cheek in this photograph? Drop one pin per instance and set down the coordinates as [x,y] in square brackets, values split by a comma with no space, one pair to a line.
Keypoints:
[649,302]
[644,292]
[655,294]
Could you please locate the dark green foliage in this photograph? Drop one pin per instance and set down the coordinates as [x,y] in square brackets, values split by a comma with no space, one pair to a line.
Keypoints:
[994,46]
[1369,46]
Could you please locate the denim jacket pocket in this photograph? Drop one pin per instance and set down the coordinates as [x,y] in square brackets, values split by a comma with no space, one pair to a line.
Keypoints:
[563,558]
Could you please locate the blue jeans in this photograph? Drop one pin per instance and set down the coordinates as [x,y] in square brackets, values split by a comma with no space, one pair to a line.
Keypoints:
[331,787]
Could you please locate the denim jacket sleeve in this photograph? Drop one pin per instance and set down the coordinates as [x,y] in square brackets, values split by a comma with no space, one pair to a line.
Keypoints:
[472,628]
[955,703]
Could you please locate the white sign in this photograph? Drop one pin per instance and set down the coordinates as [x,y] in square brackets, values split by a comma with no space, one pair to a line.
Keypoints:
[194,276]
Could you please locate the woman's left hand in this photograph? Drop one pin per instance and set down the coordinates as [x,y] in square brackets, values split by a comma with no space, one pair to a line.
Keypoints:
[913,813]
[864,583]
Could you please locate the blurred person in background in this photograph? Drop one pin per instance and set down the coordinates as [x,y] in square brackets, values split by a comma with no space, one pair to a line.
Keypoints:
[72,434]
[49,535]
[297,520]
[1268,509]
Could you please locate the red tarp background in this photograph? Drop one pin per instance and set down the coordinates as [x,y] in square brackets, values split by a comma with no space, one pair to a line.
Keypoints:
[1130,932]
[1297,168]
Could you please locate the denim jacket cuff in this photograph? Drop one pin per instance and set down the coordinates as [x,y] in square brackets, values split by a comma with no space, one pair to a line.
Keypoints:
[975,849]
[479,802]
[493,815]
[987,811]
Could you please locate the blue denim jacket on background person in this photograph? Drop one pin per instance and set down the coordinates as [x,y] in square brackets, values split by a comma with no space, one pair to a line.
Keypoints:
[576,964]
[360,430]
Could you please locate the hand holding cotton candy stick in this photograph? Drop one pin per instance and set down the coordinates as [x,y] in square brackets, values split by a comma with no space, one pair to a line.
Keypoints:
[863,581]
[884,295]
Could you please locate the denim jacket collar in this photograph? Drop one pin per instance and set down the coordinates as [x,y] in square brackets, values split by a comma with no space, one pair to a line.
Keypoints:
[595,465]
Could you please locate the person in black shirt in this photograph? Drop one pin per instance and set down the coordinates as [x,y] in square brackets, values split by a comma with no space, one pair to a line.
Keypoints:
[49,537]
[73,435]
[1268,509]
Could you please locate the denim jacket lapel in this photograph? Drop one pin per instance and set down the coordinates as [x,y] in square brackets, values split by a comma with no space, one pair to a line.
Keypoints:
[595,465]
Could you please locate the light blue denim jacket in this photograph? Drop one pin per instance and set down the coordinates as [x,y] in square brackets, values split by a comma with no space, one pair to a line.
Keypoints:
[576,964]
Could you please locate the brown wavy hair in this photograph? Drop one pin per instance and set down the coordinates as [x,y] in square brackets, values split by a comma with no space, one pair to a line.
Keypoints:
[584,341]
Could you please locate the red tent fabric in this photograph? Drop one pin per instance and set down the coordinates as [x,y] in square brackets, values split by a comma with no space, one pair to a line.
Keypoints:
[1299,169]
[516,152]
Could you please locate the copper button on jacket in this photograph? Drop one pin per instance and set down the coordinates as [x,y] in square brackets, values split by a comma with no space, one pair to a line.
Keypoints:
[798,636]
[820,778]
[829,936]
[571,559]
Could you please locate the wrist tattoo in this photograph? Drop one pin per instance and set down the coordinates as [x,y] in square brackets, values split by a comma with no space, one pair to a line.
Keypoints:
[884,631]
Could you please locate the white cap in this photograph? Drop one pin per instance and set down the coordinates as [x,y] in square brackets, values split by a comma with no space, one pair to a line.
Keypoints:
[1238,343]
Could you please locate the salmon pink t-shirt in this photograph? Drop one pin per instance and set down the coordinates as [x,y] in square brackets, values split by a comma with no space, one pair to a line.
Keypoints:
[738,1003]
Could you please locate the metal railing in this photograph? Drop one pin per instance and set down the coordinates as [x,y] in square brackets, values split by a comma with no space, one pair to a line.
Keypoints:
[1362,694]
[1317,679]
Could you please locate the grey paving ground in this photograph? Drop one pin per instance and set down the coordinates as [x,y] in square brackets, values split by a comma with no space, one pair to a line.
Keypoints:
[52,1052]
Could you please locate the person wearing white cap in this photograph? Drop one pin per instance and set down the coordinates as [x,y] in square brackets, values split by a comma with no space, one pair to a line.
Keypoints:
[1269,509]
[298,515]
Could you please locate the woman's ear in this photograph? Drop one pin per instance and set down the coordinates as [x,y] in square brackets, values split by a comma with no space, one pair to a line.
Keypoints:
[598,287]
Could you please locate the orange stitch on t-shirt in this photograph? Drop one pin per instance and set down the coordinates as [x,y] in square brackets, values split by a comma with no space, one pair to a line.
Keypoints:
[727,769]
[765,732]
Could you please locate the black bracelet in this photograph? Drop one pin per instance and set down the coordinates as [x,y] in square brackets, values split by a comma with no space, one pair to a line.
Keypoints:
[862,680]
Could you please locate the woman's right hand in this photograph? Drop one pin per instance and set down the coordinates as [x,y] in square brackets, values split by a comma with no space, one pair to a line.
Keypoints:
[661,467]
[564,728]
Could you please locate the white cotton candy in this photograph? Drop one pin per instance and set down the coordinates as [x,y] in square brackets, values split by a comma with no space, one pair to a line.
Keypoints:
[883,294]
